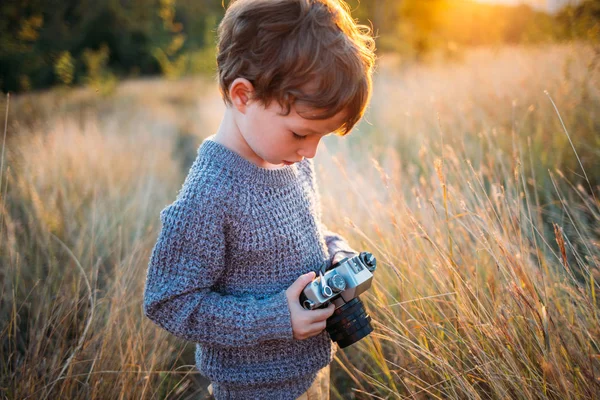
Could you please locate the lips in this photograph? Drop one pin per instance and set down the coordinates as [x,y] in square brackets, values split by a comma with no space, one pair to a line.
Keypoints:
[291,162]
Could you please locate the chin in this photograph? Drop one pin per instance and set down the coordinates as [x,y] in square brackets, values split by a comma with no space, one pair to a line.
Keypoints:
[271,161]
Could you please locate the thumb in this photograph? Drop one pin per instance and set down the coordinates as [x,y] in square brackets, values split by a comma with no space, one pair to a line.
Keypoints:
[301,282]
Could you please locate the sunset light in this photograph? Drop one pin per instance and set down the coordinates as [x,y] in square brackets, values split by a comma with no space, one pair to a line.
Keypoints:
[543,5]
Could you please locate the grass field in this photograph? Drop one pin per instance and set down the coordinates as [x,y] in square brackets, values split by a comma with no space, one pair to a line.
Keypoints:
[475,182]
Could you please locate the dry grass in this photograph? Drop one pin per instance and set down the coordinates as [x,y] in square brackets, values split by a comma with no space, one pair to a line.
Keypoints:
[464,185]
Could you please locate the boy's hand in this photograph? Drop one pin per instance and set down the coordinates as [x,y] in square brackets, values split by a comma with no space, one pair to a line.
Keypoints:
[306,323]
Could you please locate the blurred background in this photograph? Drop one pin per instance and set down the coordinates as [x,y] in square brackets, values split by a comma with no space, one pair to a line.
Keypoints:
[473,177]
[46,43]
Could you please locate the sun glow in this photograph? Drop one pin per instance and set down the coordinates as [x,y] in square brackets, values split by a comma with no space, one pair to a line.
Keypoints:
[544,5]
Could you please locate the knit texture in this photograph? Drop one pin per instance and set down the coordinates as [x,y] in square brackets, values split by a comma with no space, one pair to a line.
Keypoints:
[236,237]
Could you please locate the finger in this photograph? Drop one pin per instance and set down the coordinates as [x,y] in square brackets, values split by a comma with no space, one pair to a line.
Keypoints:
[318,327]
[300,283]
[322,314]
[313,330]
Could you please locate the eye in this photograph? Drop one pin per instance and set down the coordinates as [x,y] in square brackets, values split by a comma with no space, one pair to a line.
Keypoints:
[298,137]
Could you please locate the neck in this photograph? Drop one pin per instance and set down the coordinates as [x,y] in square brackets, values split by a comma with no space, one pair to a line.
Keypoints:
[229,135]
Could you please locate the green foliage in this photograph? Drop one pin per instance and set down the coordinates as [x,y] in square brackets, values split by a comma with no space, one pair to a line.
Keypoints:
[65,68]
[99,77]
[582,21]
[172,67]
[203,61]
[172,60]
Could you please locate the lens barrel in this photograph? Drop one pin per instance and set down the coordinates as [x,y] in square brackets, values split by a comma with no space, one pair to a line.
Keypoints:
[349,323]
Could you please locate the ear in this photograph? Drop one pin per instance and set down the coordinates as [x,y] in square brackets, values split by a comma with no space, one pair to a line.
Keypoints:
[240,92]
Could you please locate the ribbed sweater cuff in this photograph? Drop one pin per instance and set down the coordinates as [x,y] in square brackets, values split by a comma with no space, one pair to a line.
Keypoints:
[337,244]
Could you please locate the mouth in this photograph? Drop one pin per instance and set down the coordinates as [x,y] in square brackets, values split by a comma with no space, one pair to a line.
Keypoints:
[291,162]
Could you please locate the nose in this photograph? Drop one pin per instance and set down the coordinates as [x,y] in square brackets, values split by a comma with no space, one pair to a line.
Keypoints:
[309,149]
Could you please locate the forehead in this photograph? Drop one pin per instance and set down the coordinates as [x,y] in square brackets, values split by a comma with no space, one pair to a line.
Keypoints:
[309,118]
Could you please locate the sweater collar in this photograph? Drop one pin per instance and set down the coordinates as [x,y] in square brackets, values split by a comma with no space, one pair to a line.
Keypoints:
[213,152]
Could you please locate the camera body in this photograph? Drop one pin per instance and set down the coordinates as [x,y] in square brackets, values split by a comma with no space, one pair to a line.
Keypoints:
[341,284]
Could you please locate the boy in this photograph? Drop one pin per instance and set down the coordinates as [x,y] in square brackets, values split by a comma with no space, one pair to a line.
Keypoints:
[244,236]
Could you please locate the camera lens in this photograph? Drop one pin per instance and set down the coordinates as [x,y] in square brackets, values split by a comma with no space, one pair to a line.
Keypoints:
[349,323]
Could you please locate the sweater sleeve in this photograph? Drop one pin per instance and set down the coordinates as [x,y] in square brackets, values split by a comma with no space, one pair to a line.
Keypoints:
[336,243]
[187,260]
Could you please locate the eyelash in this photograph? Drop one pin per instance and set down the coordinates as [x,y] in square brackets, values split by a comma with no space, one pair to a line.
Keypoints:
[298,137]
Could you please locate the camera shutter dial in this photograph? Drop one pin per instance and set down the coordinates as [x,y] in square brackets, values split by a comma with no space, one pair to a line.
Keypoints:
[337,283]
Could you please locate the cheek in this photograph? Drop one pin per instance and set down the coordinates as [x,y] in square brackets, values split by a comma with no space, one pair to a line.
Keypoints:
[253,121]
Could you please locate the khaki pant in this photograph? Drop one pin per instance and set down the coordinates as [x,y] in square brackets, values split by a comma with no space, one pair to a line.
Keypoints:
[319,390]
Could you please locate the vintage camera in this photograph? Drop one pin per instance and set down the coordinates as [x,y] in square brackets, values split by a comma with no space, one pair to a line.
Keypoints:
[341,284]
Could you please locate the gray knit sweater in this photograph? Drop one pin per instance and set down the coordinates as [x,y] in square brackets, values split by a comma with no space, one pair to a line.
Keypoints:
[233,241]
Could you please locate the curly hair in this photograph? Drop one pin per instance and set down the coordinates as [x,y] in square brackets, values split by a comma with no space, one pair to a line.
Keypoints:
[298,52]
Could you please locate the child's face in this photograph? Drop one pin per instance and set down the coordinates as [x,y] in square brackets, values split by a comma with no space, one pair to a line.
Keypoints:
[284,139]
